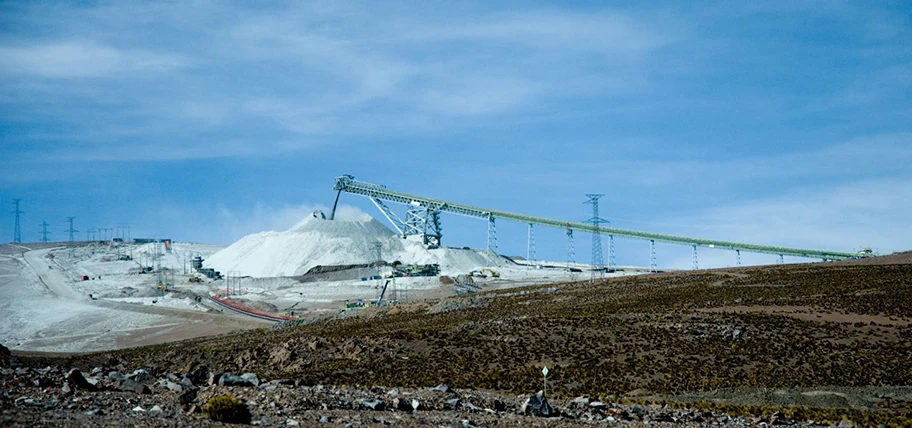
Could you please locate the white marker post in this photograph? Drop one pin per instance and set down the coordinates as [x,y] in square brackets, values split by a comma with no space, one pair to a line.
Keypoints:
[545,372]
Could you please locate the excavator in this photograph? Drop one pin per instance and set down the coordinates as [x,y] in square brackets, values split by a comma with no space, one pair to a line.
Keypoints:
[492,272]
[358,304]
[484,272]
[382,293]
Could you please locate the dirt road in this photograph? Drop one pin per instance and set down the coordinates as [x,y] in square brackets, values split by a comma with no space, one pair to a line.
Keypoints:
[40,311]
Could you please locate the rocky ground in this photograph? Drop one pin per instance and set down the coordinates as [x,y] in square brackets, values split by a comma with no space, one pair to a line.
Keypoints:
[113,396]
[822,343]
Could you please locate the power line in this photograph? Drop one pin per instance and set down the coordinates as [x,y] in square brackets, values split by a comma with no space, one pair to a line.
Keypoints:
[44,231]
[17,233]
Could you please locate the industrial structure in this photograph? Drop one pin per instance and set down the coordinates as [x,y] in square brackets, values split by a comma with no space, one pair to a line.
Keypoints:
[423,223]
[44,231]
[17,232]
[71,230]
[598,262]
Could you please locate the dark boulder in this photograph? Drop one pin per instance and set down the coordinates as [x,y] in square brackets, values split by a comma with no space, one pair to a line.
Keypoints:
[378,405]
[129,385]
[537,405]
[76,380]
[4,356]
[247,379]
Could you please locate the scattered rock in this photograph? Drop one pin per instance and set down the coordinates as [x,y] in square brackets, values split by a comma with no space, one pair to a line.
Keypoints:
[139,375]
[497,405]
[187,397]
[252,378]
[537,405]
[597,405]
[247,379]
[129,385]
[471,407]
[214,378]
[4,356]
[28,401]
[42,382]
[403,405]
[378,405]
[78,381]
[581,401]
[198,375]
[441,388]
[156,409]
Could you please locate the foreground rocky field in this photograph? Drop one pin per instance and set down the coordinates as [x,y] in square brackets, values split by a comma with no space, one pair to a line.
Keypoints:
[829,343]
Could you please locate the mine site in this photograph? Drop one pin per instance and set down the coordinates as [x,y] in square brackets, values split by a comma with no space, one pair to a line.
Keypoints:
[455,214]
[349,321]
[107,294]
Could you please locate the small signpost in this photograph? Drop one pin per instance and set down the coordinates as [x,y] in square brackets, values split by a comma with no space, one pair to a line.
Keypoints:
[545,373]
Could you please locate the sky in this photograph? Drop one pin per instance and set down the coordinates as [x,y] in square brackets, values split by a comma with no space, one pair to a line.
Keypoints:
[782,123]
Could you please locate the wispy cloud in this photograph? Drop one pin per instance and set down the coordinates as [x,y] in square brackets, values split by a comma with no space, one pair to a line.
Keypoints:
[73,59]
[844,217]
[307,71]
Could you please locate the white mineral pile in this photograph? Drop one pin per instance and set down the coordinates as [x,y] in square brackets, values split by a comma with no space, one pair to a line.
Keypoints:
[319,242]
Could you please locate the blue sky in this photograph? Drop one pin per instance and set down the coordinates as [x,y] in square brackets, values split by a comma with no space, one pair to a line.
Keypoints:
[788,123]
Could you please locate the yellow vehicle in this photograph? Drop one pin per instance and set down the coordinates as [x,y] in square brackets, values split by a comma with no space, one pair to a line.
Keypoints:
[492,272]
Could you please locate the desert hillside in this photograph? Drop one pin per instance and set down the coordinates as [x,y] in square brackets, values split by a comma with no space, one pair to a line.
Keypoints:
[818,342]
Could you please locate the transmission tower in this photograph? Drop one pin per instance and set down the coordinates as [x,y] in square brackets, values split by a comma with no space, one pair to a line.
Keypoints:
[71,230]
[530,245]
[652,256]
[598,262]
[44,231]
[378,249]
[17,233]
[492,240]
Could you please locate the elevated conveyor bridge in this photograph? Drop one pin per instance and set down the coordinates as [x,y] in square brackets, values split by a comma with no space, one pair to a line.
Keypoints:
[415,223]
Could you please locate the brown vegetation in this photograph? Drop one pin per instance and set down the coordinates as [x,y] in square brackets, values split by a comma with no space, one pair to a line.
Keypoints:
[607,339]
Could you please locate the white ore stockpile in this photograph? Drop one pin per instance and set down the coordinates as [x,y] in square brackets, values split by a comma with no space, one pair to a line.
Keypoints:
[318,242]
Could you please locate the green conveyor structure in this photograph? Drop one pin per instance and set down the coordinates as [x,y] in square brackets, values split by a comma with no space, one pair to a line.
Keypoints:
[348,184]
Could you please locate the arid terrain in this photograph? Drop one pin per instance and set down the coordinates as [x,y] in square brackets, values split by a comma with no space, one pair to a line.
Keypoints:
[822,343]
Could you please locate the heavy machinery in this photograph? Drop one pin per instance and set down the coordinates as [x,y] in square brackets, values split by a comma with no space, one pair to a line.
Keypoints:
[382,293]
[354,304]
[484,273]
[492,272]
[415,270]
